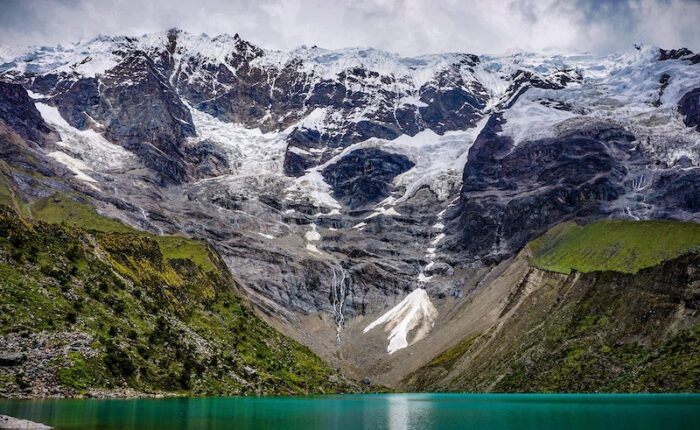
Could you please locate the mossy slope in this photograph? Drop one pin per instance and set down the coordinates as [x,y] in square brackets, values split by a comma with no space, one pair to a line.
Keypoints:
[161,313]
[599,331]
[621,246]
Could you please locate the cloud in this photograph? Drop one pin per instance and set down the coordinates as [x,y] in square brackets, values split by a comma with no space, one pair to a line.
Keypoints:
[409,27]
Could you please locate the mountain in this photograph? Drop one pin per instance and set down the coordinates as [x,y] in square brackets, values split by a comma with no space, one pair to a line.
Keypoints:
[359,199]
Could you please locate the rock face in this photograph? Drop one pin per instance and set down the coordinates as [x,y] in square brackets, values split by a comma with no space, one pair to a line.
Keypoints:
[679,54]
[689,106]
[364,177]
[18,112]
[136,108]
[143,113]
[513,193]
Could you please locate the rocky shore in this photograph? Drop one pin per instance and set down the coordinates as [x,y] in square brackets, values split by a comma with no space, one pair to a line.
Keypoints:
[7,422]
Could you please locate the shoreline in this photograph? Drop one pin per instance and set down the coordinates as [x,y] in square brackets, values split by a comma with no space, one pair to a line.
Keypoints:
[144,396]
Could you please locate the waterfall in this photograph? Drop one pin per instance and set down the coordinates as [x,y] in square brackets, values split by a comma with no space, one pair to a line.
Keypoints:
[339,287]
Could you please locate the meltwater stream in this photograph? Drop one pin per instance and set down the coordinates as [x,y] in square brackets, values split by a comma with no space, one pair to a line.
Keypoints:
[377,411]
[339,288]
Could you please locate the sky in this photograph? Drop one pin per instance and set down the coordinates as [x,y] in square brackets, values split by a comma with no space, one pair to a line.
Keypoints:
[407,27]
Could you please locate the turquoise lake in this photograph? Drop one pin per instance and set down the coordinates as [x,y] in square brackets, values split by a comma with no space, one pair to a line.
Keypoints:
[380,411]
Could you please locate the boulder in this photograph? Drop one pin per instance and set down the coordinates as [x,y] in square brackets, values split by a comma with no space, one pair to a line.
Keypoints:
[12,359]
[7,422]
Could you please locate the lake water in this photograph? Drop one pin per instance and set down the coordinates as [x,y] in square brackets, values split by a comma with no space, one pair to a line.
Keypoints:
[377,411]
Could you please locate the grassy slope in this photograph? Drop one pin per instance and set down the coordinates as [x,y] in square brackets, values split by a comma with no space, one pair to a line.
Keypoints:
[68,209]
[612,333]
[160,308]
[603,330]
[622,246]
[64,209]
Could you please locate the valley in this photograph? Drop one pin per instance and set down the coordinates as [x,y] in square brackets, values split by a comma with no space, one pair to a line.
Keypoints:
[317,221]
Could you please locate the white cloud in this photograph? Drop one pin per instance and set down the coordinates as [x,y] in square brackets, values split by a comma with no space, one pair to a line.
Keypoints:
[406,26]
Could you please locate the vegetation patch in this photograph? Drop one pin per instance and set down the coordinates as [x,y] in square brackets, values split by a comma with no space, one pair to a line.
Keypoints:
[161,309]
[621,246]
[448,358]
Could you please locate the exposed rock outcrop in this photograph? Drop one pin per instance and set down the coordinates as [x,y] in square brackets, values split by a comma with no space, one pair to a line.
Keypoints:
[364,176]
[18,112]
[689,107]
[512,193]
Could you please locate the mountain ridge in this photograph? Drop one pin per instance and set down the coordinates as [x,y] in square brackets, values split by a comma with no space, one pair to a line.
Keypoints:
[333,190]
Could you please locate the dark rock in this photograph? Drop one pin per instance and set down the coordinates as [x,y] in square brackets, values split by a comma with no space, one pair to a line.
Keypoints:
[512,194]
[12,359]
[689,107]
[450,102]
[78,101]
[44,84]
[206,160]
[142,112]
[663,83]
[298,156]
[522,80]
[679,189]
[17,110]
[138,109]
[679,54]
[364,176]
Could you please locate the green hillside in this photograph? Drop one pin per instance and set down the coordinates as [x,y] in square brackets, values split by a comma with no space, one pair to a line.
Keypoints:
[119,309]
[627,323]
[622,246]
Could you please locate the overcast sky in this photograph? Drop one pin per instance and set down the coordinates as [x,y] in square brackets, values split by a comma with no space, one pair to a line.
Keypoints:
[408,27]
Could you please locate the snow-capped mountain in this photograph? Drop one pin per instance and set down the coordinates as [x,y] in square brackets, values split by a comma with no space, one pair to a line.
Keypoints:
[336,183]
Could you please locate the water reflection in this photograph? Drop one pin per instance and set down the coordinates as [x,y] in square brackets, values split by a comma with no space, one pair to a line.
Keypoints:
[380,412]
[397,411]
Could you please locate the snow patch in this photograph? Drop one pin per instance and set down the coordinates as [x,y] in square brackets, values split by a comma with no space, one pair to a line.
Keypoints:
[383,211]
[249,151]
[415,315]
[90,148]
[74,165]
[312,248]
[528,119]
[313,235]
[314,187]
[438,238]
[315,120]
[332,213]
